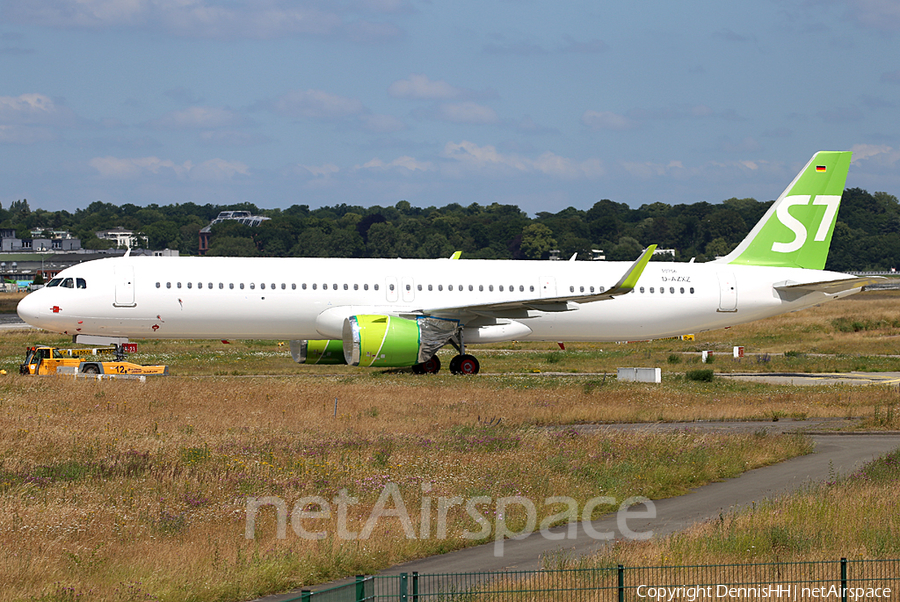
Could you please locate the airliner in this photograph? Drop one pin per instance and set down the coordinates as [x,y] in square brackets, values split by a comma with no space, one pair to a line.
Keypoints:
[400,312]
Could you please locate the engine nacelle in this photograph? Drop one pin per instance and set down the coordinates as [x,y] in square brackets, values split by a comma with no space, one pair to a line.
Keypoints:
[384,341]
[318,352]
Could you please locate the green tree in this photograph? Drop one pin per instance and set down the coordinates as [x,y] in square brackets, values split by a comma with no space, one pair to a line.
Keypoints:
[537,241]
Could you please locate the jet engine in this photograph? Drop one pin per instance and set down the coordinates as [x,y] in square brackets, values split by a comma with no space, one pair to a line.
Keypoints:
[318,352]
[389,341]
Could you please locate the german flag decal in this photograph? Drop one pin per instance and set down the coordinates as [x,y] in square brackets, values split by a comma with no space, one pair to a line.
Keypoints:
[820,168]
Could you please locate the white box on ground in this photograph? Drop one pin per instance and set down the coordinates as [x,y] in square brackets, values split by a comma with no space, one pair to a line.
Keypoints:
[641,375]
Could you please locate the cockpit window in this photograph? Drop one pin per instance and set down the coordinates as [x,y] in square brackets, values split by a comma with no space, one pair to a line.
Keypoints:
[80,283]
[68,283]
[54,282]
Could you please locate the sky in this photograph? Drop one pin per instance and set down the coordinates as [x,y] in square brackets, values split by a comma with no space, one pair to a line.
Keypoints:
[544,105]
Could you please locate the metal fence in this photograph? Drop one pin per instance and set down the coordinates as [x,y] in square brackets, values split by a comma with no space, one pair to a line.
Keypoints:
[833,580]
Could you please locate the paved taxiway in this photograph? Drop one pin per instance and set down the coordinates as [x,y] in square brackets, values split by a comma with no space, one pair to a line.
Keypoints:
[839,454]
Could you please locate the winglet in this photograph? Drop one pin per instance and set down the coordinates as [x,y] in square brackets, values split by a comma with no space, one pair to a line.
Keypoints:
[456,255]
[629,280]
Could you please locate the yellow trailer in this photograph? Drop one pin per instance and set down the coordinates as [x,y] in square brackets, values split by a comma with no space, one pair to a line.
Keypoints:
[46,360]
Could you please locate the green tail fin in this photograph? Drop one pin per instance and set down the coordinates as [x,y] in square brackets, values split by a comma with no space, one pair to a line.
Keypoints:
[796,230]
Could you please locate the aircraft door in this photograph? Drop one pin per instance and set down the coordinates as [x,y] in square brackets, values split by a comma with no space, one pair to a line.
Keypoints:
[548,287]
[407,289]
[727,291]
[124,275]
[390,289]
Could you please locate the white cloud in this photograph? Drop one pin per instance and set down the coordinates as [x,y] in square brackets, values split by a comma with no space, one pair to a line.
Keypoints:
[316,104]
[420,87]
[488,159]
[320,171]
[382,124]
[883,15]
[606,120]
[401,163]
[130,168]
[34,109]
[198,118]
[466,112]
[648,169]
[218,19]
[878,154]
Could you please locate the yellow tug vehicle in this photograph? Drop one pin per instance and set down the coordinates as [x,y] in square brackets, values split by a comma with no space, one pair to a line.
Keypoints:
[41,360]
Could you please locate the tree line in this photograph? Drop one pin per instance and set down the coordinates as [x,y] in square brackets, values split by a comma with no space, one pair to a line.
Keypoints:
[866,237]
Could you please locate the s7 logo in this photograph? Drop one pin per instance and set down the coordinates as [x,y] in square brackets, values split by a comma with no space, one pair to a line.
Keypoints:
[831,203]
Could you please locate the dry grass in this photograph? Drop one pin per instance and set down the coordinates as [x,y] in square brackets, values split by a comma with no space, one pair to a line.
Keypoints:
[118,489]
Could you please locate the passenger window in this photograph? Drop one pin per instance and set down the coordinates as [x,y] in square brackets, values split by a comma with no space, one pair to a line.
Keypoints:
[303,286]
[692,290]
[672,289]
[261,286]
[375,286]
[430,287]
[199,285]
[682,290]
[178,285]
[571,289]
[531,288]
[391,287]
[209,284]
[419,287]
[231,285]
[168,285]
[500,288]
[592,289]
[521,288]
[365,287]
[314,286]
[471,288]
[242,286]
[450,287]
[356,287]
[408,287]
[652,290]
[334,286]
[491,288]
[273,286]
[190,284]
[221,286]
[662,290]
[480,288]
[642,289]
[440,287]
[581,289]
[157,285]
[346,288]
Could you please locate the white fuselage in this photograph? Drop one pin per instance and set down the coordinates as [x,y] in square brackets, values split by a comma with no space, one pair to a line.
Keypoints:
[303,298]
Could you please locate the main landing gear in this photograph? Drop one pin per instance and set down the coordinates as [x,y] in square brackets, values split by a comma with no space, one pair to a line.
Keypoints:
[460,364]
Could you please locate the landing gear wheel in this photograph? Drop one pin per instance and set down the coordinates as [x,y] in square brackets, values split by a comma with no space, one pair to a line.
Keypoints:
[464,364]
[431,366]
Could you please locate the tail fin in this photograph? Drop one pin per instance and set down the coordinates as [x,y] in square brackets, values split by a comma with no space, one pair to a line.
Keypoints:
[796,230]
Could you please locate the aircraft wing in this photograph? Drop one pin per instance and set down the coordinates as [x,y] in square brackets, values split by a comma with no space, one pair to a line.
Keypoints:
[828,286]
[624,286]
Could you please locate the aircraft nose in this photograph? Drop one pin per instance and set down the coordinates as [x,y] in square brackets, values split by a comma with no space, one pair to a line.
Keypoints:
[29,309]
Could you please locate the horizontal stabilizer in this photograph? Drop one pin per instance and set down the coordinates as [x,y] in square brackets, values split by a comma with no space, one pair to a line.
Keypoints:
[829,286]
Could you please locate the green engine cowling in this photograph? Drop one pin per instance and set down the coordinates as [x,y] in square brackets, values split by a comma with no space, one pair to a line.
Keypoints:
[318,352]
[381,341]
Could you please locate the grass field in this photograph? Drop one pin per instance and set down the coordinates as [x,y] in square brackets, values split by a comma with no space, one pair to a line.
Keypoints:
[130,491]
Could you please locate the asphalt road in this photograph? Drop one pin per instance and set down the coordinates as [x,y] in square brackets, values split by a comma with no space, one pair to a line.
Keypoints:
[835,454]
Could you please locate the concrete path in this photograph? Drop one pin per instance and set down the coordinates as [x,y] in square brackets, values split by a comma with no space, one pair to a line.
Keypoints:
[834,455]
